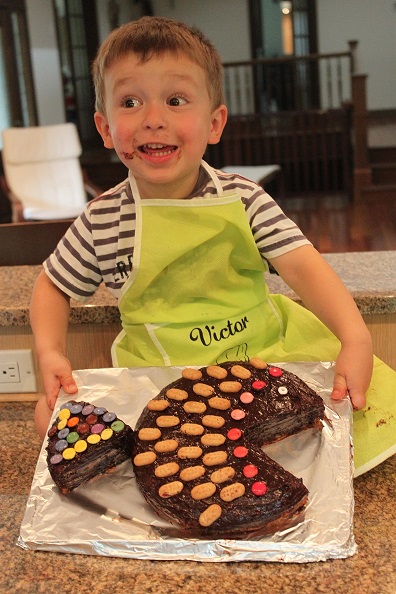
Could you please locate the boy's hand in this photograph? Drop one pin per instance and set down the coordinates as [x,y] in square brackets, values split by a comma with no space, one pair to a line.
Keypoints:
[353,373]
[56,372]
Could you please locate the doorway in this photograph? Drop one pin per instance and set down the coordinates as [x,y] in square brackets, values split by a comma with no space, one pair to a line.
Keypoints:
[77,32]
[17,104]
[281,30]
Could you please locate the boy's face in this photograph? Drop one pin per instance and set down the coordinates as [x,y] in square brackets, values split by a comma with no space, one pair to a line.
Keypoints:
[159,120]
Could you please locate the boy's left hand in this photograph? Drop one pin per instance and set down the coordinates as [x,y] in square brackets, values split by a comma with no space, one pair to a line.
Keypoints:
[352,374]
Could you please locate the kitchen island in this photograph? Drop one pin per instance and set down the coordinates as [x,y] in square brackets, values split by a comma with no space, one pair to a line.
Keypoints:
[371,278]
[372,570]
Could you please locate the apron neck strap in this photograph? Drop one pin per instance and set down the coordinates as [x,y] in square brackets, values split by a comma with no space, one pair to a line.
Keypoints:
[214,177]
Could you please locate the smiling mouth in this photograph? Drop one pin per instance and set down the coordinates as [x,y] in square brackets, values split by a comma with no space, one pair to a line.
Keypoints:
[157,150]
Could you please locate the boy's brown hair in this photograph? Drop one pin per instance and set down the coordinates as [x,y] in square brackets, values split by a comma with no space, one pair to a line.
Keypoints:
[154,36]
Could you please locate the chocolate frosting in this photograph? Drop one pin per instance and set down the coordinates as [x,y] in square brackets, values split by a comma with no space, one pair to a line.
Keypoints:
[277,404]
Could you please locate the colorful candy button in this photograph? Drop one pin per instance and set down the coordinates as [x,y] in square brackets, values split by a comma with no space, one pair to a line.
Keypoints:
[80,446]
[88,408]
[62,424]
[246,397]
[69,453]
[61,445]
[109,417]
[82,428]
[63,433]
[259,488]
[76,409]
[234,434]
[99,410]
[52,430]
[240,452]
[73,422]
[106,433]
[282,390]
[117,426]
[72,437]
[64,414]
[259,384]
[56,458]
[97,428]
[250,470]
[67,405]
[91,419]
[275,371]
[93,438]
[237,414]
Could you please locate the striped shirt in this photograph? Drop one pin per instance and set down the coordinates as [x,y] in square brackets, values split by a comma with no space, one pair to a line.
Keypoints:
[99,245]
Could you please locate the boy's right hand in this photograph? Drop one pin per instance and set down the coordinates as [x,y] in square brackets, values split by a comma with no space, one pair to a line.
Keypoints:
[56,372]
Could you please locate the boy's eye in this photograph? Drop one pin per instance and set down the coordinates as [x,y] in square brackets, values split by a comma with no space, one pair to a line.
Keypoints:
[131,102]
[176,101]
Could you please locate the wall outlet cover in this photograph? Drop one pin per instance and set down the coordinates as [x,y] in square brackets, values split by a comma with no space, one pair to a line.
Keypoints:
[17,371]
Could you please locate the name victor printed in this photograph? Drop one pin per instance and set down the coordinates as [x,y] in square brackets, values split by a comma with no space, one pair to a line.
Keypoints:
[207,334]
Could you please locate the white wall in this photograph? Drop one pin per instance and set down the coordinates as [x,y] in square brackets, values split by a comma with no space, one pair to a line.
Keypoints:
[45,62]
[127,11]
[226,23]
[373,24]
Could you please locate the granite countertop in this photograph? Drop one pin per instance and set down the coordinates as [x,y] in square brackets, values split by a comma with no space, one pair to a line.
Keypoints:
[370,277]
[372,570]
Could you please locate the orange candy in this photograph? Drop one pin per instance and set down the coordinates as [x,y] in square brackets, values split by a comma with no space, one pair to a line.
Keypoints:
[73,421]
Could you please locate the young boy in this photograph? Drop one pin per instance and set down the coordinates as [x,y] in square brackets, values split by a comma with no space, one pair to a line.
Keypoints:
[182,246]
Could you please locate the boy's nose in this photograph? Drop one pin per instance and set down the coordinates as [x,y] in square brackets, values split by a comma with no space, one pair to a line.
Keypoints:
[154,117]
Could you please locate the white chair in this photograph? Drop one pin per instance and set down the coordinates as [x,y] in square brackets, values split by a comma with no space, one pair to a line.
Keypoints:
[43,172]
[261,174]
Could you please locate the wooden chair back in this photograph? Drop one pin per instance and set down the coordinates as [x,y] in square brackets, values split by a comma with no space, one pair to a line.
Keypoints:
[30,243]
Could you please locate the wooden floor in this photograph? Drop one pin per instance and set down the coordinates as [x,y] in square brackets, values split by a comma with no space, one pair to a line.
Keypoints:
[334,224]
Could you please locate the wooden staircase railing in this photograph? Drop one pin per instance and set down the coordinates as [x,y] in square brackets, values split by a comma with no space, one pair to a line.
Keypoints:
[305,113]
[362,173]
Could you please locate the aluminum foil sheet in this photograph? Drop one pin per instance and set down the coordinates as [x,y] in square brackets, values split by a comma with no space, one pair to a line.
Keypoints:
[110,517]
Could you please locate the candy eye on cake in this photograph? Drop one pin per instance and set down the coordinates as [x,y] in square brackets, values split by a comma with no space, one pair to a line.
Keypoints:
[215,480]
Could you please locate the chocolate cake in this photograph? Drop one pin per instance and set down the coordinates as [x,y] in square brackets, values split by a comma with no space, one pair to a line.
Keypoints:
[85,441]
[197,454]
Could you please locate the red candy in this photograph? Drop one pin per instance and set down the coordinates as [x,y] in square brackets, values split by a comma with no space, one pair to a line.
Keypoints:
[259,488]
[241,452]
[250,470]
[275,371]
[52,431]
[91,419]
[259,384]
[82,428]
[234,434]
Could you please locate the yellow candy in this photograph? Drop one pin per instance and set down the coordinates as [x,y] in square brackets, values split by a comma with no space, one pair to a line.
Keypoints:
[69,453]
[106,433]
[80,445]
[62,424]
[93,438]
[64,414]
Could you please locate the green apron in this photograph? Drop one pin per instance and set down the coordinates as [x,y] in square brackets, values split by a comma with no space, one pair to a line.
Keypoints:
[197,293]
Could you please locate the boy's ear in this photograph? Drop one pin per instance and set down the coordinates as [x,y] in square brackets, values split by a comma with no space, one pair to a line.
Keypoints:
[103,128]
[218,121]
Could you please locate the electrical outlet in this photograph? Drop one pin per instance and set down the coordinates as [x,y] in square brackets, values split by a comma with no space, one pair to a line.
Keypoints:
[17,371]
